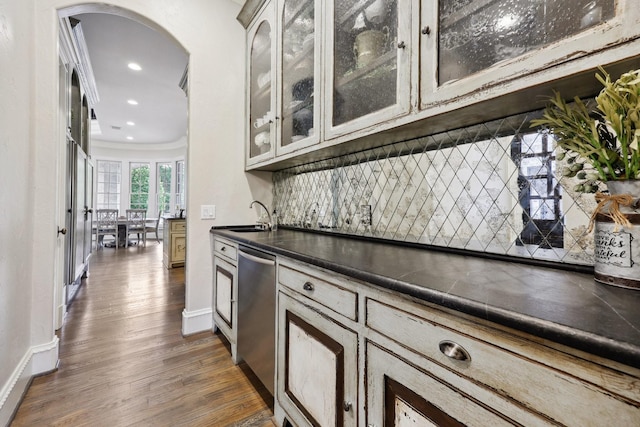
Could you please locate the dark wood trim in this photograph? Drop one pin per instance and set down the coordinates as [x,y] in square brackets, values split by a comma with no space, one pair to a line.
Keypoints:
[224,272]
[335,347]
[620,282]
[393,390]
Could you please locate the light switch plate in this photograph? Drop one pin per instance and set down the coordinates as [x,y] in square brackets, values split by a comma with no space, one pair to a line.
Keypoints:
[207,211]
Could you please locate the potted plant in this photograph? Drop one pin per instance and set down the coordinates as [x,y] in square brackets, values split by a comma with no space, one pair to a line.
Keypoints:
[601,145]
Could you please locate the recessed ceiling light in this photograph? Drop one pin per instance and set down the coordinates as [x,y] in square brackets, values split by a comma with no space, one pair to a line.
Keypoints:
[130,138]
[134,66]
[132,102]
[131,123]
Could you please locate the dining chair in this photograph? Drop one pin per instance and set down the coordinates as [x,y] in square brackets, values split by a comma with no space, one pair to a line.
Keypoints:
[136,224]
[154,228]
[106,225]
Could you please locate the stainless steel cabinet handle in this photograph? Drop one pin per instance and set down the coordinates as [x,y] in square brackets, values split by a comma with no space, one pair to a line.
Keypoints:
[454,351]
[308,286]
[401,45]
[426,30]
[256,259]
[347,406]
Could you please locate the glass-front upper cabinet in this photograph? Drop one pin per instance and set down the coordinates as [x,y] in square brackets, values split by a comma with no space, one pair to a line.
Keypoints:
[478,41]
[369,46]
[261,105]
[299,100]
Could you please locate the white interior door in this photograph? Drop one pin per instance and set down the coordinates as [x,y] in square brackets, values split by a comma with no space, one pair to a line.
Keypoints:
[88,220]
[80,212]
[63,203]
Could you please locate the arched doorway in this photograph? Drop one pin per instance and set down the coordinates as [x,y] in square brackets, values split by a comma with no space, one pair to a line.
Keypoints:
[102,40]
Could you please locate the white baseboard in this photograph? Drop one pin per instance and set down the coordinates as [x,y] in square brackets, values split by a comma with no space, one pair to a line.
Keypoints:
[37,360]
[45,357]
[196,321]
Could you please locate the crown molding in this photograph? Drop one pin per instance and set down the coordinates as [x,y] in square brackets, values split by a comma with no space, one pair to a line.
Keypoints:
[73,50]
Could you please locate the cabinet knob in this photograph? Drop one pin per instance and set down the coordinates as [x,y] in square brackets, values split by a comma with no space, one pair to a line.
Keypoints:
[401,45]
[347,406]
[308,286]
[62,230]
[426,30]
[454,351]
[224,248]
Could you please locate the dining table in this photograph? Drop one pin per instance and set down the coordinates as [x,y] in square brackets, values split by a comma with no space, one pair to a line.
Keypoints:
[122,233]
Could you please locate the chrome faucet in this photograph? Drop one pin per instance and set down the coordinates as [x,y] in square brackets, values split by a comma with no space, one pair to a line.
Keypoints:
[266,226]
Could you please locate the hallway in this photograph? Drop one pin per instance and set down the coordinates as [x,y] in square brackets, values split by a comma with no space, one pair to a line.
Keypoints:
[124,362]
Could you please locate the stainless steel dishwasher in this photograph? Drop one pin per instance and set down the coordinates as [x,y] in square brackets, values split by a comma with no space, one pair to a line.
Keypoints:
[257,312]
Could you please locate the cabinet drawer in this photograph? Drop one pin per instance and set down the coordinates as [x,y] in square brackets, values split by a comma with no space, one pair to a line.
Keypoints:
[328,293]
[520,375]
[178,226]
[225,249]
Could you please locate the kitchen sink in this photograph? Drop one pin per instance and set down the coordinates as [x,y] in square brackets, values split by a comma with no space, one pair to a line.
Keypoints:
[241,229]
[247,230]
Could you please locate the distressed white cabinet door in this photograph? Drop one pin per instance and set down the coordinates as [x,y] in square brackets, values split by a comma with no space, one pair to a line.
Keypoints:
[368,68]
[299,62]
[317,367]
[225,289]
[472,51]
[224,294]
[261,60]
[402,395]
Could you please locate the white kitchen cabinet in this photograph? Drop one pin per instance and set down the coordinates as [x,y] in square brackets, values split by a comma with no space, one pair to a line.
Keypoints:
[395,361]
[478,50]
[368,46]
[174,241]
[400,394]
[515,376]
[261,103]
[225,291]
[299,61]
[390,70]
[317,365]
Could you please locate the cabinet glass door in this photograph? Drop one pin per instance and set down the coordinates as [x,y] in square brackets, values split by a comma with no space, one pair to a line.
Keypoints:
[299,99]
[474,35]
[260,101]
[371,52]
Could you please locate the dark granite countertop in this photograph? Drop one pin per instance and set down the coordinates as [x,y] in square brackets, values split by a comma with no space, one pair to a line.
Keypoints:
[561,306]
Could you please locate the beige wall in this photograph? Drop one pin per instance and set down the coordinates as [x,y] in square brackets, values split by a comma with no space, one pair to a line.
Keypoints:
[16,202]
[208,31]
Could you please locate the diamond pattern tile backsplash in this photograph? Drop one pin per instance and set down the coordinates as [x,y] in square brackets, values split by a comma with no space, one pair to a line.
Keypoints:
[493,188]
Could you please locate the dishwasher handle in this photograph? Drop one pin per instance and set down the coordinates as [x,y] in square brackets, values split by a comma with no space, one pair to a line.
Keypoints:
[255,258]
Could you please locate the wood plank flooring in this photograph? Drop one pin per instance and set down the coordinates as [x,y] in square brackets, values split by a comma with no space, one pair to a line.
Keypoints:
[124,362]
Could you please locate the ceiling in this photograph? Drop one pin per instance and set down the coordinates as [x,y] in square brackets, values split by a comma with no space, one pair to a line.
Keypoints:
[161,114]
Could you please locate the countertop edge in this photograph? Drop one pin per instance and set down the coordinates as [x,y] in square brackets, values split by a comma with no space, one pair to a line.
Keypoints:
[618,351]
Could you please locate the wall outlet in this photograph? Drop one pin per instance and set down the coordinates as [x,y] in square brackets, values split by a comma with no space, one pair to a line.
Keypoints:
[207,211]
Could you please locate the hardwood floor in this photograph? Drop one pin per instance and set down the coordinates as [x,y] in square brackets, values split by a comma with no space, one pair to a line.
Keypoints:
[124,362]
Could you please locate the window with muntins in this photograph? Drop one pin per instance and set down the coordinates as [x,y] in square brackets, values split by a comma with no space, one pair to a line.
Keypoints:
[163,185]
[180,185]
[108,184]
[139,184]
